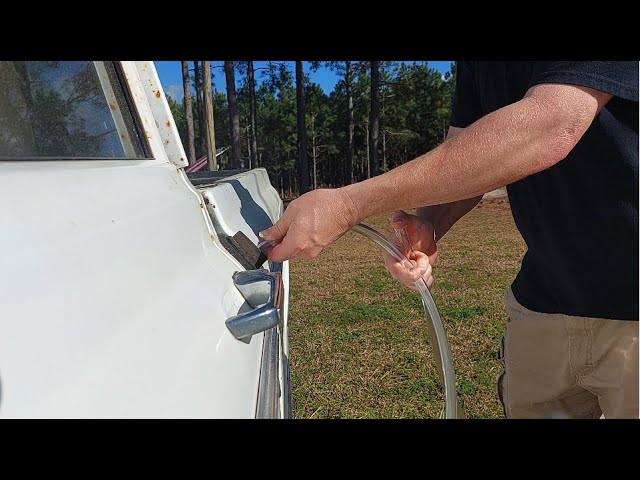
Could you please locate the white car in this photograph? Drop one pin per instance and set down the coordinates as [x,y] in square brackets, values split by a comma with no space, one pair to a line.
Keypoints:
[125,290]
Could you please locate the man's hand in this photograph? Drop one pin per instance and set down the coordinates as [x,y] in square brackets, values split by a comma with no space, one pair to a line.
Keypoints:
[424,252]
[310,223]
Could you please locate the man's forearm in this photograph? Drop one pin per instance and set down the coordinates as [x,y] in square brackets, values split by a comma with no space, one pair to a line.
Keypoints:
[444,216]
[509,144]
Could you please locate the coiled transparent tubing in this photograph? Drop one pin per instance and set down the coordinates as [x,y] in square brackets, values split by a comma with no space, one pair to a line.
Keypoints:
[437,334]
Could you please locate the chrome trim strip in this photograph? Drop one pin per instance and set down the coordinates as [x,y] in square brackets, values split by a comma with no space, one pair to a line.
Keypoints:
[267,406]
[269,388]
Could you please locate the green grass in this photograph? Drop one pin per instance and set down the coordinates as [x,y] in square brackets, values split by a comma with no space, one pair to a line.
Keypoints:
[358,340]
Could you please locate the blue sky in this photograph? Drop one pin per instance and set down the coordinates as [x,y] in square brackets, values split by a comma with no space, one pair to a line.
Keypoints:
[170,74]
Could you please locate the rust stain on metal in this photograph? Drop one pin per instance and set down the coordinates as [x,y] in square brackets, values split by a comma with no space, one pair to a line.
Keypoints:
[157,93]
[112,106]
[211,236]
[206,200]
[168,123]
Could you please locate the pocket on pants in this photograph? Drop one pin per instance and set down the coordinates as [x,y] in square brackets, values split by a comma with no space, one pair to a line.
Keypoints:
[502,378]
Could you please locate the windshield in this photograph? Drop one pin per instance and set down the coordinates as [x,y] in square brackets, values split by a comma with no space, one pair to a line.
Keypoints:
[65,110]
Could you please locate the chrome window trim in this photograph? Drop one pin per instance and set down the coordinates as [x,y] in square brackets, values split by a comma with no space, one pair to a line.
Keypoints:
[269,387]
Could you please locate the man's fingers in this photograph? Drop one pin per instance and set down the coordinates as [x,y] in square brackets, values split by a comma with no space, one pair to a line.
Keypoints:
[277,231]
[408,276]
[410,271]
[391,263]
[420,259]
[283,251]
[417,273]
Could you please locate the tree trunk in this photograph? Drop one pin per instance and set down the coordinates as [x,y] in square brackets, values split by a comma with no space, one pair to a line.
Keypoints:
[188,113]
[209,126]
[374,120]
[367,130]
[303,165]
[197,73]
[234,120]
[249,155]
[384,151]
[314,152]
[348,79]
[384,136]
[252,114]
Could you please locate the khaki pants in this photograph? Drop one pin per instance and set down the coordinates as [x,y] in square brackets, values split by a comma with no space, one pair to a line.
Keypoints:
[560,366]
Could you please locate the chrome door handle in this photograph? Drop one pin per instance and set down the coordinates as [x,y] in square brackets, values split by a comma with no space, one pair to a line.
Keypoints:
[263,292]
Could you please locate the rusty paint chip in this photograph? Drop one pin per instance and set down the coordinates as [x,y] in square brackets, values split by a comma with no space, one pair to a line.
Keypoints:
[157,93]
[168,123]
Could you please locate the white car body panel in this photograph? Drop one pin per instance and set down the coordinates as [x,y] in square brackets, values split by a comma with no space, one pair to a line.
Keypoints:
[114,288]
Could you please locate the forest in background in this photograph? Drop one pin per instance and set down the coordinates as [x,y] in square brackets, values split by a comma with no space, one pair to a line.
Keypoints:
[379,115]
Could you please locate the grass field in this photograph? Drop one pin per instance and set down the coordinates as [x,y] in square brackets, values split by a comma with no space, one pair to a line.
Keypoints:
[358,341]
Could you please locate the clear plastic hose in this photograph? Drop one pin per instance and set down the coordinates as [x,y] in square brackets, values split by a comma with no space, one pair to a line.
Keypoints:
[437,333]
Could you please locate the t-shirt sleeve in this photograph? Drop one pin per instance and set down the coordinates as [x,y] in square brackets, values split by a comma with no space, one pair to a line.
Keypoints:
[466,103]
[619,79]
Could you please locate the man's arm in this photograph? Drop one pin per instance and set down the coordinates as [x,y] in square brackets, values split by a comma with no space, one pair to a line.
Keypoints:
[444,216]
[507,145]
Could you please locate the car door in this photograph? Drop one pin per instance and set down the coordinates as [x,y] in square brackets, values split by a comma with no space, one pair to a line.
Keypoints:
[115,286]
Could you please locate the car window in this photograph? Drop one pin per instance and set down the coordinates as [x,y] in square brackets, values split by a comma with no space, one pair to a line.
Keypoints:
[65,110]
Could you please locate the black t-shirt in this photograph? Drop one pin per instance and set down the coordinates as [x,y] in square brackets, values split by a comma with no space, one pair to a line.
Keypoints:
[578,218]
